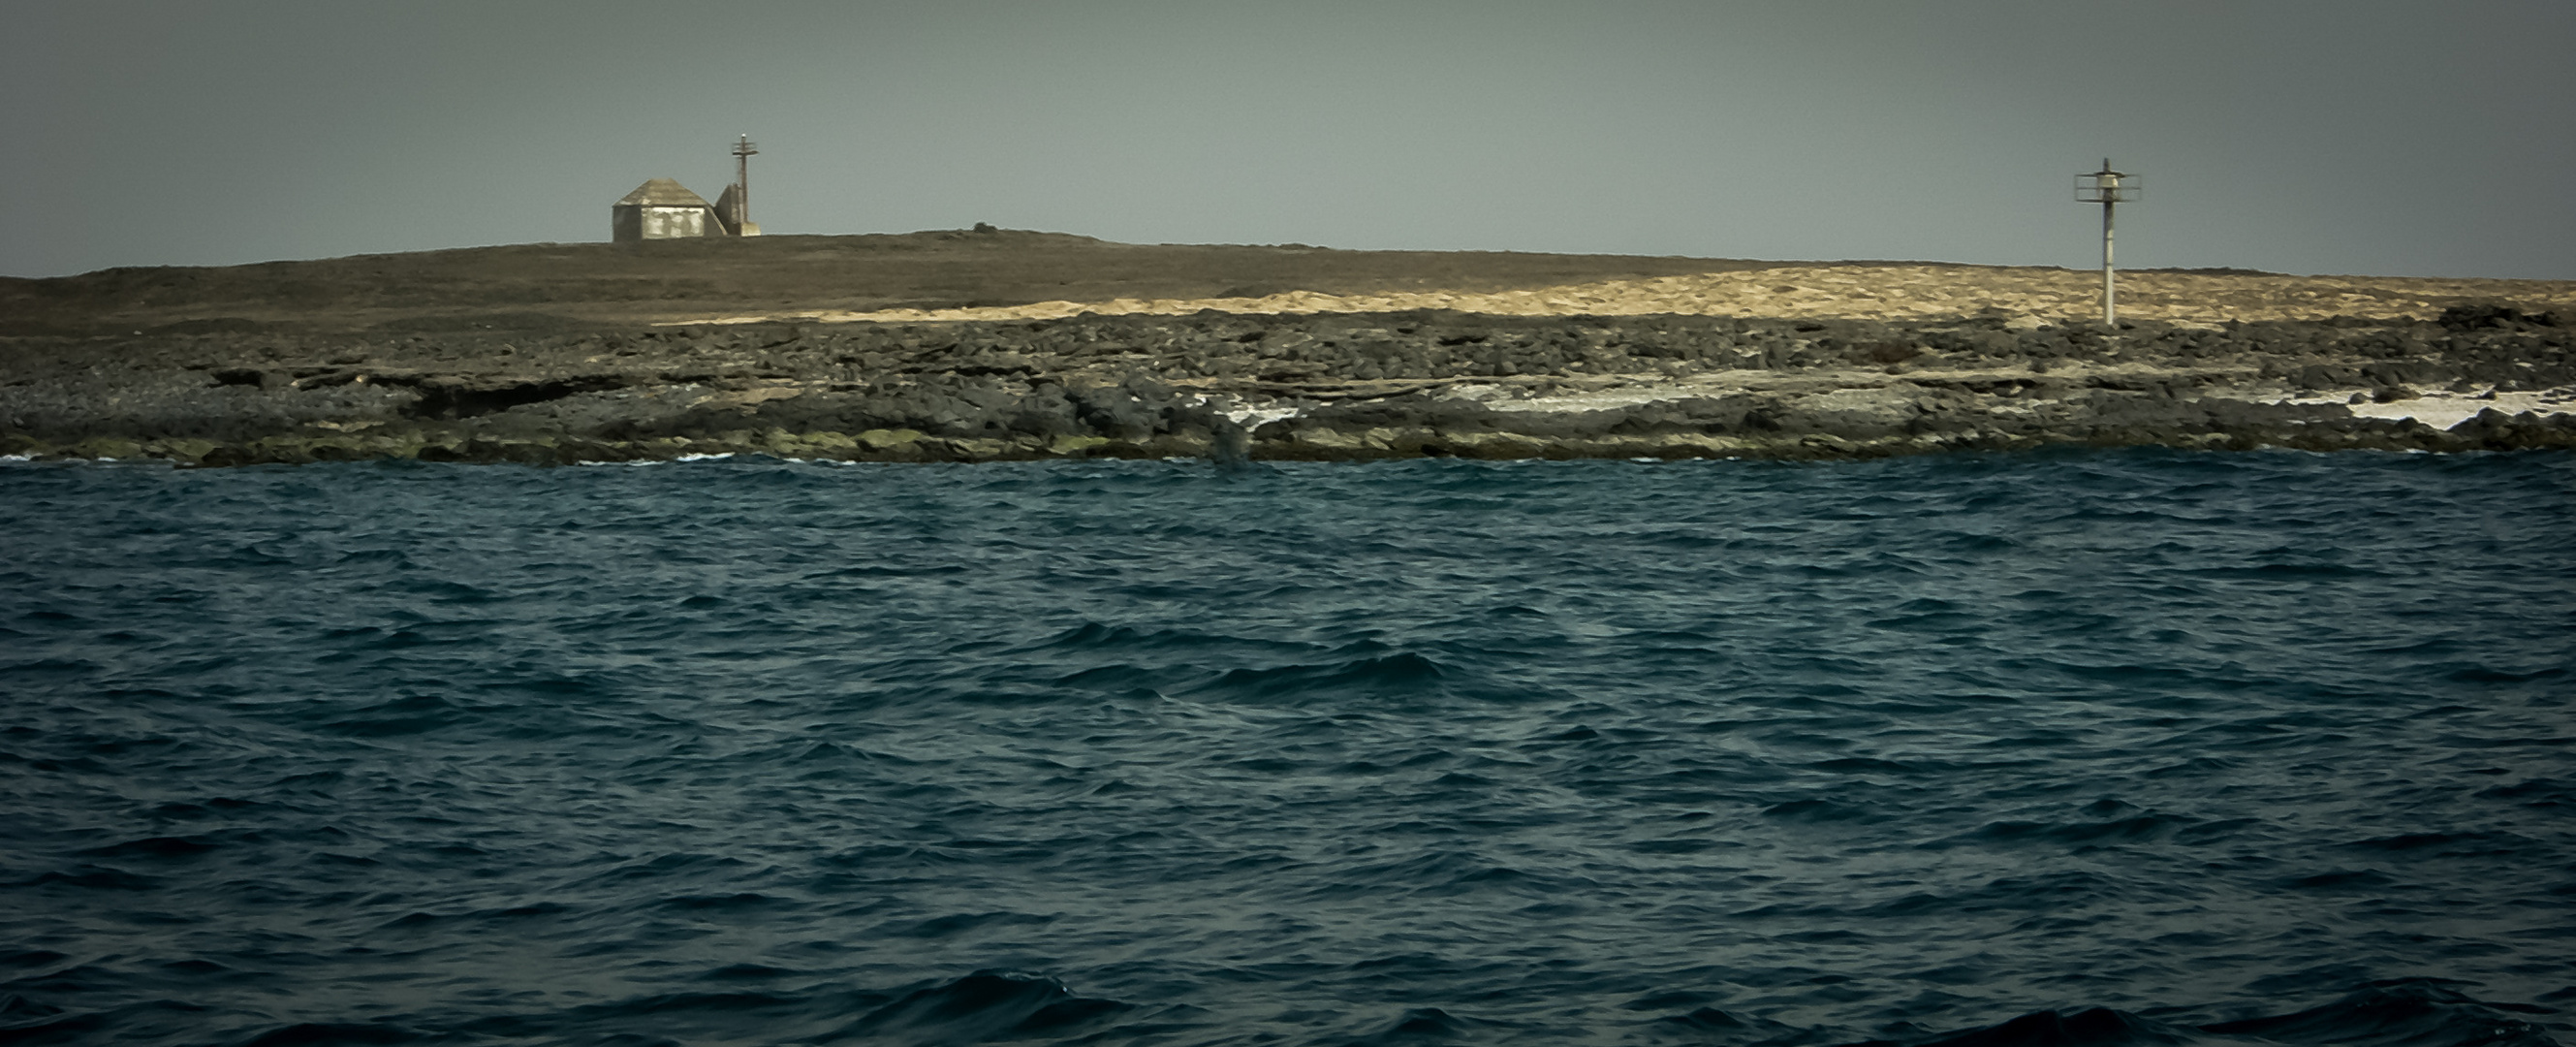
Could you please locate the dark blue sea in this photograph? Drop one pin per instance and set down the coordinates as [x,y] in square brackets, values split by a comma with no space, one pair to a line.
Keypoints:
[2027,750]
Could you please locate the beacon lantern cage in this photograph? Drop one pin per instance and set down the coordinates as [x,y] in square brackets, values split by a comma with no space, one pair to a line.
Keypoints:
[2110,189]
[2107,186]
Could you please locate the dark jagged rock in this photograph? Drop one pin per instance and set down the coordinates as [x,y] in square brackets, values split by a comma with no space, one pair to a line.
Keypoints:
[1311,386]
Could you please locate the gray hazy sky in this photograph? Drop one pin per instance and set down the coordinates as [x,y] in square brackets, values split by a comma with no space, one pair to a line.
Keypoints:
[2357,136]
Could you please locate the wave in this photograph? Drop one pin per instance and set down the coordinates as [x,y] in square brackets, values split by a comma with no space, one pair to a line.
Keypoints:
[1403,674]
[2406,1012]
[2409,1012]
[983,1006]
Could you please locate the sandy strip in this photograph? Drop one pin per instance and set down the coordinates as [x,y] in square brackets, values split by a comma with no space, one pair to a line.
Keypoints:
[2443,410]
[2438,409]
[1858,292]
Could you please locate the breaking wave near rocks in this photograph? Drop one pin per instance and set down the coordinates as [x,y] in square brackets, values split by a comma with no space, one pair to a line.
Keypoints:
[2080,749]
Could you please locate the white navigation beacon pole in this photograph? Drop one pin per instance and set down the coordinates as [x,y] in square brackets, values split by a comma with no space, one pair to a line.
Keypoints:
[2108,188]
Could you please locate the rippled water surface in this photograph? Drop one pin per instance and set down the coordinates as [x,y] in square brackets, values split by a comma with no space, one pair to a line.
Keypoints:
[2241,747]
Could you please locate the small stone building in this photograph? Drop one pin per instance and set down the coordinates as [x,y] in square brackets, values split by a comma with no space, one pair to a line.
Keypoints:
[662,209]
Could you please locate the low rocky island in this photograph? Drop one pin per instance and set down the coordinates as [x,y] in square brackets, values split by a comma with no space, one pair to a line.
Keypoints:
[975,346]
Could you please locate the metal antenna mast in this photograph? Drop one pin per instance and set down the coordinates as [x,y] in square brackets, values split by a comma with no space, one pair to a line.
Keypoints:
[742,154]
[2108,188]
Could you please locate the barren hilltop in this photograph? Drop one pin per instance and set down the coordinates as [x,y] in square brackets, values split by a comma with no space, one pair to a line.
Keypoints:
[990,344]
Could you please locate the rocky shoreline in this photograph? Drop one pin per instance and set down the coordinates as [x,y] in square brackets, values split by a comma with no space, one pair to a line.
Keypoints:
[1336,386]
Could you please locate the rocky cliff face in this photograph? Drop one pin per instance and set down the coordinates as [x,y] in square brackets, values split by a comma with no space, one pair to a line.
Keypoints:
[1302,386]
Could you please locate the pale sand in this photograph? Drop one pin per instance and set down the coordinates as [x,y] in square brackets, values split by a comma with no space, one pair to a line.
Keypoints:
[2444,410]
[2441,410]
[1895,292]
[1864,391]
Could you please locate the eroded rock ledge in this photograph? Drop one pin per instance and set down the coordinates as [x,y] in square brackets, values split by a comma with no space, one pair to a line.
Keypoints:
[1310,386]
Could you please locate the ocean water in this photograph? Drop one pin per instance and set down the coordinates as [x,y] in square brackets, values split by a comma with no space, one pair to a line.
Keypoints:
[1989,751]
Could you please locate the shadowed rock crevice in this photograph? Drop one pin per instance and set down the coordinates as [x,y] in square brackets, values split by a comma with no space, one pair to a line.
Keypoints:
[453,400]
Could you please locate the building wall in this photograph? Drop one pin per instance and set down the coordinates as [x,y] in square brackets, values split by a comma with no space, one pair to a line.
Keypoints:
[630,223]
[666,223]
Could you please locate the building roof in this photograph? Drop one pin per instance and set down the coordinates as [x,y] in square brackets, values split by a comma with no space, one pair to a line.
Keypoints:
[662,192]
